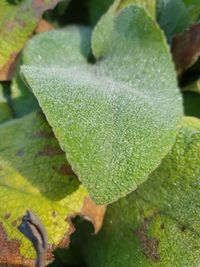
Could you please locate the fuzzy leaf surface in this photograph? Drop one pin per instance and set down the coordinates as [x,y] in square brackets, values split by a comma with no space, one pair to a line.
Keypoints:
[158,224]
[115,119]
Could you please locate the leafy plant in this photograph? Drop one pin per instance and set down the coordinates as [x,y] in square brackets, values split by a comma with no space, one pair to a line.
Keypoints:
[94,115]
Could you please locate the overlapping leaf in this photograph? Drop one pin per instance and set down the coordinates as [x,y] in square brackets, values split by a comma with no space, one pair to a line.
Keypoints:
[115,119]
[158,224]
[34,175]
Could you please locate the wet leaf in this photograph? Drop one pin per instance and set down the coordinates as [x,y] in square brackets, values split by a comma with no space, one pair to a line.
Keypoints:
[158,224]
[34,175]
[17,23]
[115,119]
[186,48]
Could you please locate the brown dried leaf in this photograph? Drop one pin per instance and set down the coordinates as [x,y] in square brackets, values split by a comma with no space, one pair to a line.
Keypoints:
[94,213]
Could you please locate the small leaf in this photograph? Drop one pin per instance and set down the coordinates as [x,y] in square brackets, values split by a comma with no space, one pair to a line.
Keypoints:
[34,175]
[115,119]
[17,23]
[158,224]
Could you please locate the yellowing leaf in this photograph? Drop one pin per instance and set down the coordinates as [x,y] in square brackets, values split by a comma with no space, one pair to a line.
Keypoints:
[34,175]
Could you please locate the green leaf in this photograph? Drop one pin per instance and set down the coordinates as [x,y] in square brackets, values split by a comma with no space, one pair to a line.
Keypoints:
[115,119]
[34,175]
[173,17]
[149,5]
[17,22]
[5,110]
[194,8]
[158,224]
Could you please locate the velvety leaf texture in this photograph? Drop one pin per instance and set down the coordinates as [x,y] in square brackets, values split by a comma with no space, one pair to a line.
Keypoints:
[115,119]
[158,224]
[34,175]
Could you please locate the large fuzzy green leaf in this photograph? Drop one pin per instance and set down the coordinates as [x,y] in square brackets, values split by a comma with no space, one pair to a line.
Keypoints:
[34,175]
[115,119]
[158,224]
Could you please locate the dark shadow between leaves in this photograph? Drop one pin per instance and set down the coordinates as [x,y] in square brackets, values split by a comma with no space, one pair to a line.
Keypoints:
[72,256]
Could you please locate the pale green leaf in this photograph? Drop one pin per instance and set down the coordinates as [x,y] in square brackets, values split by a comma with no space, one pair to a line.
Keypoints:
[34,175]
[115,119]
